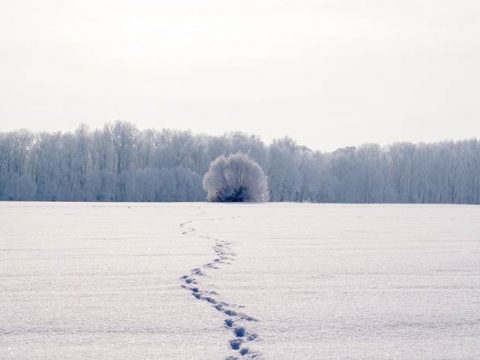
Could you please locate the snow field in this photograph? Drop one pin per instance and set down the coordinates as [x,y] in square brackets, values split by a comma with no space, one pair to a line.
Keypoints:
[239,281]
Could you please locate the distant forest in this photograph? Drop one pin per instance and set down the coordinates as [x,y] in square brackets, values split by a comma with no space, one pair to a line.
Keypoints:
[122,163]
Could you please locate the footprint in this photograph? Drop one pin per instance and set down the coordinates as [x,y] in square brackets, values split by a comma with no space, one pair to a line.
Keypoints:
[230,312]
[210,299]
[235,344]
[239,331]
[198,272]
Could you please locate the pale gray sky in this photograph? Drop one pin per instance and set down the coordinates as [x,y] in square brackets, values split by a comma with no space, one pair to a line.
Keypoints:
[328,73]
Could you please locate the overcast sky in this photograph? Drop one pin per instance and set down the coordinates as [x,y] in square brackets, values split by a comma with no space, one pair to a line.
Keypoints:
[327,73]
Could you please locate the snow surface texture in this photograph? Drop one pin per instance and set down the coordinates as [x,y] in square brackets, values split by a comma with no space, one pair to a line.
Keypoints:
[126,281]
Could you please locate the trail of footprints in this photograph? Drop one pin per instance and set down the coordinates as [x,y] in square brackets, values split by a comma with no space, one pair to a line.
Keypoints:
[235,320]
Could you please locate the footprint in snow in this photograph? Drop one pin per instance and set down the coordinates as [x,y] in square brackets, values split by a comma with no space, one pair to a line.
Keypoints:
[224,255]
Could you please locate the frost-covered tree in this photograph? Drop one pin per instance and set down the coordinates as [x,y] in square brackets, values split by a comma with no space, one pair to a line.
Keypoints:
[235,178]
[284,173]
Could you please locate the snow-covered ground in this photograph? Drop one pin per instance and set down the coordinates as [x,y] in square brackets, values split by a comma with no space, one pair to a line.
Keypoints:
[276,281]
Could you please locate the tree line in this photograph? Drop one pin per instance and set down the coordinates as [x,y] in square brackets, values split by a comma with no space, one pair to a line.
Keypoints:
[119,162]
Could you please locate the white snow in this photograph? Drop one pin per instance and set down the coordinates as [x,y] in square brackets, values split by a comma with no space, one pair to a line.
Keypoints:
[104,281]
